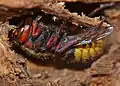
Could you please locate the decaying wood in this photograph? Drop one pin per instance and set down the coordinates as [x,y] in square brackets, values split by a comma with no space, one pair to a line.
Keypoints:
[113,13]
[11,65]
[73,17]
[17,7]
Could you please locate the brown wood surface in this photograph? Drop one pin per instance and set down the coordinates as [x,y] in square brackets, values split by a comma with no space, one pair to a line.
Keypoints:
[13,7]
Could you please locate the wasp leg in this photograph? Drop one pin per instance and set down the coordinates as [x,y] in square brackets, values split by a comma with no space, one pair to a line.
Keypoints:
[28,44]
[52,41]
[36,29]
[25,33]
[54,38]
[39,40]
[61,48]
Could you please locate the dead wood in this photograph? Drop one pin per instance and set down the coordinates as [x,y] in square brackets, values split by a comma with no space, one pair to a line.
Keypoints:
[14,8]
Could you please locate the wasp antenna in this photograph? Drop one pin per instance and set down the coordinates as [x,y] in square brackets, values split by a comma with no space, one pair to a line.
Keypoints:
[101,7]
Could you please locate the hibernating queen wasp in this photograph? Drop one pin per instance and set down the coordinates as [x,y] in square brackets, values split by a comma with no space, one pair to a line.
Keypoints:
[48,38]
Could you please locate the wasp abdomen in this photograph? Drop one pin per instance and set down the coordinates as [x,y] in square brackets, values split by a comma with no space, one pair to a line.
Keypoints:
[86,52]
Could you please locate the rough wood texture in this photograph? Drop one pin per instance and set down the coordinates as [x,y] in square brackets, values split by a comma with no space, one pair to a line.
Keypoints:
[11,8]
[11,65]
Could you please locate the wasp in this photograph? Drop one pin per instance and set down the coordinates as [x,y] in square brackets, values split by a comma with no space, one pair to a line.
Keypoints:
[59,40]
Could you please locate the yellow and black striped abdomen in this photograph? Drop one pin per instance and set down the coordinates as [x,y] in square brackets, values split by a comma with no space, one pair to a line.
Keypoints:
[86,52]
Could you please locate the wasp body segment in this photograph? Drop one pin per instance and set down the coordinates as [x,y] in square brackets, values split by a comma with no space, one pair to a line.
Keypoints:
[86,52]
[24,33]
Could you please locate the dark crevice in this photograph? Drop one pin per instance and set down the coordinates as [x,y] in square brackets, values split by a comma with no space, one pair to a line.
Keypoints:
[81,7]
[87,8]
